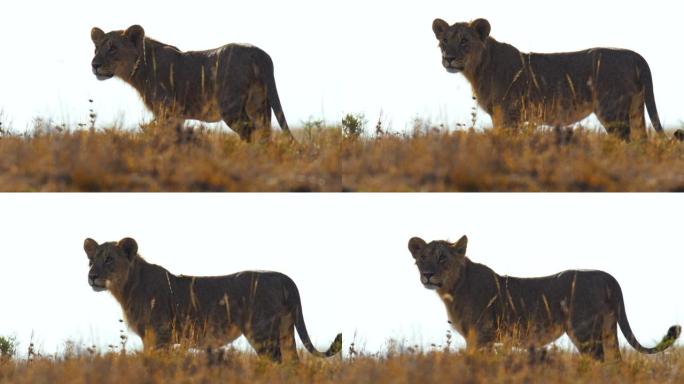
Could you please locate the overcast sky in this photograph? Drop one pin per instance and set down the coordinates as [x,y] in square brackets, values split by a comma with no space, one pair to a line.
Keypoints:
[347,253]
[331,57]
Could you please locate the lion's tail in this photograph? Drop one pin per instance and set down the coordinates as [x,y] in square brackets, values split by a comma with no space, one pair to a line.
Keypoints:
[296,306]
[274,101]
[667,341]
[647,80]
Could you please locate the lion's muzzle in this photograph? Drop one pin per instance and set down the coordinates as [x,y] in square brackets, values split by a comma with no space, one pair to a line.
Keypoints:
[96,283]
[452,64]
[97,71]
[429,282]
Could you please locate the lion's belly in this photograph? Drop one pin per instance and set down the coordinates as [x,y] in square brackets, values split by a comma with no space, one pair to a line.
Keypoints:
[208,111]
[554,111]
[567,115]
[539,337]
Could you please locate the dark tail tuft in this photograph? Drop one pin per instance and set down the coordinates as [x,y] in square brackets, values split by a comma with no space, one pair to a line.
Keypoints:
[335,347]
[672,335]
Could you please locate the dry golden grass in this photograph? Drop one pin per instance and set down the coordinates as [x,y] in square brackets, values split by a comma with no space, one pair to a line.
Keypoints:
[167,159]
[494,160]
[405,367]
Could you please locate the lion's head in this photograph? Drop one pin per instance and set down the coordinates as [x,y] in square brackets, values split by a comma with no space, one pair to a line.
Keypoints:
[110,263]
[462,44]
[117,53]
[440,263]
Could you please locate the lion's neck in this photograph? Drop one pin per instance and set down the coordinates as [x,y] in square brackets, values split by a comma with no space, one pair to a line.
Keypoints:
[475,279]
[135,286]
[152,75]
[458,283]
[495,64]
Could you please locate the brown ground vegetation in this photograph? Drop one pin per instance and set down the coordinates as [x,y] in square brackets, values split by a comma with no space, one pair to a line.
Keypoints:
[502,161]
[407,366]
[336,158]
[167,159]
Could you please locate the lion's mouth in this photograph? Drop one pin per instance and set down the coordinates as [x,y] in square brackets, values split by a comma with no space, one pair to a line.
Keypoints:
[97,286]
[432,286]
[429,283]
[102,76]
[452,66]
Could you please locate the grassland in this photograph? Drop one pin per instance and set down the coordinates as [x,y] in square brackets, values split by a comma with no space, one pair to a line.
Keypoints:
[155,158]
[503,161]
[407,366]
[336,158]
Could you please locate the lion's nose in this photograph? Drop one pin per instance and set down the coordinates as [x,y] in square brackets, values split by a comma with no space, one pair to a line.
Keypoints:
[92,277]
[428,275]
[96,65]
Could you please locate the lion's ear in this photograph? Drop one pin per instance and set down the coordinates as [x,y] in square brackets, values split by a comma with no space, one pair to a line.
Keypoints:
[439,26]
[415,245]
[461,245]
[482,27]
[96,35]
[90,247]
[129,246]
[136,34]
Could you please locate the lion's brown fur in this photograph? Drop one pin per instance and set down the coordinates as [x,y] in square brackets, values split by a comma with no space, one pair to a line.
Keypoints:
[486,308]
[166,309]
[555,89]
[234,83]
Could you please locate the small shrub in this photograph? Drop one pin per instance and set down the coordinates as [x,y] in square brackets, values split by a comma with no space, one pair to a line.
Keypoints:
[353,125]
[8,347]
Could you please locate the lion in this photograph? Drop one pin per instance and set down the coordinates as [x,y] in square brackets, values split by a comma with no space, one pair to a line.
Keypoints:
[165,309]
[487,308]
[552,89]
[233,83]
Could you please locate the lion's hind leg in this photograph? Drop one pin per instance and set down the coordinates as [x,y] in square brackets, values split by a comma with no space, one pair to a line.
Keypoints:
[265,338]
[232,104]
[288,346]
[239,123]
[588,336]
[611,348]
[258,111]
[613,111]
[637,116]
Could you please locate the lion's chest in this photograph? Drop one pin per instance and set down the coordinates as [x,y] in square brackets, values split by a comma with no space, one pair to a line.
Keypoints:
[455,317]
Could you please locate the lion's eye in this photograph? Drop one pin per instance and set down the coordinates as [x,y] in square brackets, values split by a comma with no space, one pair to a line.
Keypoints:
[109,260]
[464,41]
[112,50]
[442,258]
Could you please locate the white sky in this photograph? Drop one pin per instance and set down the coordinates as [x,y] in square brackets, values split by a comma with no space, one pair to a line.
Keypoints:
[347,253]
[331,57]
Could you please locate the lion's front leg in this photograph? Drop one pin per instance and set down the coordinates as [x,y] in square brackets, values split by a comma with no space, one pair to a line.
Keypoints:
[166,115]
[157,338]
[164,124]
[479,339]
[506,117]
[168,121]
